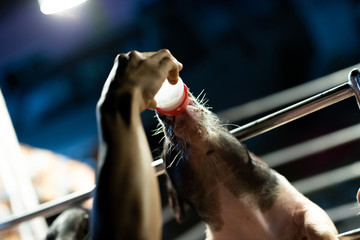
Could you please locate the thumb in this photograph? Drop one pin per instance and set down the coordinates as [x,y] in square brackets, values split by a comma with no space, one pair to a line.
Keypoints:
[174,73]
[151,104]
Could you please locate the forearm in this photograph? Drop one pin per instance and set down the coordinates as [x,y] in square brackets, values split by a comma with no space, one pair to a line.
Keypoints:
[127,200]
[127,204]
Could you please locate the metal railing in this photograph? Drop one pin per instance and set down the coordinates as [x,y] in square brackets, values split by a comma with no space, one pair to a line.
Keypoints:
[252,129]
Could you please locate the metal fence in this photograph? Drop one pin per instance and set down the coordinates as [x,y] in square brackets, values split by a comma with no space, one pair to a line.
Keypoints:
[342,90]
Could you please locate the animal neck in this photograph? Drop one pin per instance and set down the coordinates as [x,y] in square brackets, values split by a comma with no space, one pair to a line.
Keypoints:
[240,217]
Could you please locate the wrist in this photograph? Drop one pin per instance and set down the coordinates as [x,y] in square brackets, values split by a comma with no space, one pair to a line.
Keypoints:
[122,104]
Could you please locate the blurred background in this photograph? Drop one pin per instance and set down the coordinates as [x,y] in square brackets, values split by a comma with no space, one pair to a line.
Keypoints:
[52,68]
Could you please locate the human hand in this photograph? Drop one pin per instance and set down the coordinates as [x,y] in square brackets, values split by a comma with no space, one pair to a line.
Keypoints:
[142,72]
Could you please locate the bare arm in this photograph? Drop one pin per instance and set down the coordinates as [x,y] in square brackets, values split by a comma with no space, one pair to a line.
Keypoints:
[127,202]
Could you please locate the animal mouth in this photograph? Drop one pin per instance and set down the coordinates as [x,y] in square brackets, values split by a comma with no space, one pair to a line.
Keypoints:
[185,118]
[190,132]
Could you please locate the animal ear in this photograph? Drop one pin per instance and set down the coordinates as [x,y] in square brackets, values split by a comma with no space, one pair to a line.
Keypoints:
[176,203]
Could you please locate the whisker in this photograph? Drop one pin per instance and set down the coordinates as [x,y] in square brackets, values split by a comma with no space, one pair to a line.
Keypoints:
[172,162]
[157,131]
[198,96]
[203,101]
[179,159]
[162,139]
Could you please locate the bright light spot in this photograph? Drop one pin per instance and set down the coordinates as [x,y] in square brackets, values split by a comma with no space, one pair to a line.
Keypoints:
[55,6]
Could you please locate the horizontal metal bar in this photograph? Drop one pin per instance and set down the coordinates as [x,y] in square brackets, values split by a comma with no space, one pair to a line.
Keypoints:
[293,112]
[283,98]
[354,81]
[343,212]
[350,235]
[60,204]
[312,146]
[327,179]
[48,209]
[159,166]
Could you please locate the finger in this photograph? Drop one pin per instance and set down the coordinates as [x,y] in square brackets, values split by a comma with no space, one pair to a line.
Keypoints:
[121,57]
[163,56]
[159,55]
[174,72]
[164,53]
[180,65]
[171,69]
[173,75]
[121,60]
[134,57]
[148,54]
[152,104]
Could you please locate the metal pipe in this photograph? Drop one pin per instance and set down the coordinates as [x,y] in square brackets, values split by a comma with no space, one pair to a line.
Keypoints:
[354,81]
[316,145]
[48,209]
[343,212]
[350,235]
[326,179]
[293,112]
[283,98]
[60,204]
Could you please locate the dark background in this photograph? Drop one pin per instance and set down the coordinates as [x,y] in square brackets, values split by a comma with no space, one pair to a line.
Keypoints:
[52,68]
